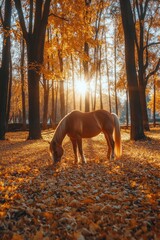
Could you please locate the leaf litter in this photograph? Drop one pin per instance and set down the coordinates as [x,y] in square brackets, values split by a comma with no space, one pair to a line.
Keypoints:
[100,200]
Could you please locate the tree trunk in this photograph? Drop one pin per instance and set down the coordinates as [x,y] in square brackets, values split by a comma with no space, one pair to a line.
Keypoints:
[34,110]
[85,64]
[56,103]
[100,78]
[86,76]
[53,105]
[62,95]
[4,70]
[96,77]
[154,104]
[142,87]
[127,112]
[108,80]
[46,99]
[137,131]
[9,91]
[62,99]
[142,90]
[115,69]
[80,101]
[33,88]
[73,83]
[35,38]
[139,40]
[22,86]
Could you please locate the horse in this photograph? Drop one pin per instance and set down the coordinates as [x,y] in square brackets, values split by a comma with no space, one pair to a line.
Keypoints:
[78,125]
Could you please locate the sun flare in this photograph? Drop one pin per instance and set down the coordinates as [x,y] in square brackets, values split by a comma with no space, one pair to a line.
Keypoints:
[80,87]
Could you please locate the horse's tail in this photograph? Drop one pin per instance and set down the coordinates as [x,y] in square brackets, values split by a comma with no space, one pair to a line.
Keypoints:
[117,136]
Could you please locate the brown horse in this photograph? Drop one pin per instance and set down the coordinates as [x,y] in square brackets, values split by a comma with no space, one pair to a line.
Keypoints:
[78,125]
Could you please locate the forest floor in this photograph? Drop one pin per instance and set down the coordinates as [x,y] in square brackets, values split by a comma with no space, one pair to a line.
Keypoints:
[112,200]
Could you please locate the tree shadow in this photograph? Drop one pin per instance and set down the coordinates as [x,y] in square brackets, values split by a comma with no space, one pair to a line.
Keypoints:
[120,196]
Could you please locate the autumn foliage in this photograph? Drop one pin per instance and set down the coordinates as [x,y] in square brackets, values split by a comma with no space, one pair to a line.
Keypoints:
[99,200]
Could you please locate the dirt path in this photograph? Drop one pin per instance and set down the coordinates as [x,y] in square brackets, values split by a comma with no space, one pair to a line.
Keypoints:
[99,200]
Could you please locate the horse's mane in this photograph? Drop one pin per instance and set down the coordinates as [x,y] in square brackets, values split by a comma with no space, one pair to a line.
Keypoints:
[60,131]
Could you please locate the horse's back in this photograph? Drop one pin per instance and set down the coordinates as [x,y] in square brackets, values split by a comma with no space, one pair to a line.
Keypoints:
[86,117]
[88,124]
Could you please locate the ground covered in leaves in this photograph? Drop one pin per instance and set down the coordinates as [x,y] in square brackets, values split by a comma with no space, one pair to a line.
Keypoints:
[100,200]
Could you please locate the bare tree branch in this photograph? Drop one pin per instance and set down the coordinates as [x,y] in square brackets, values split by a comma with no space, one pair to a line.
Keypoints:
[21,18]
[62,18]
[151,44]
[1,17]
[145,8]
[154,71]
[147,40]
[31,17]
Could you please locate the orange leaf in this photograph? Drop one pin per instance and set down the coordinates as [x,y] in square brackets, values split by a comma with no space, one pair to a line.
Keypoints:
[88,200]
[17,237]
[78,236]
[39,235]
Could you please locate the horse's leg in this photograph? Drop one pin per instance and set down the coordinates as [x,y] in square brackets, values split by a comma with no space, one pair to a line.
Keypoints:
[109,147]
[110,141]
[74,145]
[79,141]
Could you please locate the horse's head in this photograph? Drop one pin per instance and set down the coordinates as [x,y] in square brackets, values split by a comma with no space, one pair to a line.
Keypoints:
[56,151]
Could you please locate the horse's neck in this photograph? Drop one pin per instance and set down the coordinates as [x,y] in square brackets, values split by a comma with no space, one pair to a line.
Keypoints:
[60,132]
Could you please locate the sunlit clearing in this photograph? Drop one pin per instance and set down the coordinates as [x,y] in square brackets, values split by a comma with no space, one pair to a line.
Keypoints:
[80,87]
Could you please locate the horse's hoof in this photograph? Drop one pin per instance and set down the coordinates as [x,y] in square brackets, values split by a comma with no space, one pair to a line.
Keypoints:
[84,162]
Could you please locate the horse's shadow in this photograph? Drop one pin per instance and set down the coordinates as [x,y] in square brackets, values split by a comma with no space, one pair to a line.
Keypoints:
[94,150]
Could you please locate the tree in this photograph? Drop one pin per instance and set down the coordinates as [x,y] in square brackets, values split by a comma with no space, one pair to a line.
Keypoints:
[85,62]
[98,52]
[35,38]
[46,88]
[5,68]
[137,131]
[154,102]
[73,82]
[145,14]
[62,92]
[23,85]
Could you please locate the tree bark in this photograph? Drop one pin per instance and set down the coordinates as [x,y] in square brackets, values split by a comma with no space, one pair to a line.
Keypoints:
[108,80]
[9,89]
[100,78]
[115,69]
[85,65]
[22,86]
[35,38]
[137,131]
[46,99]
[154,104]
[33,91]
[62,98]
[34,111]
[4,70]
[127,110]
[61,89]
[143,42]
[73,83]
[142,90]
[86,76]
[141,72]
[53,105]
